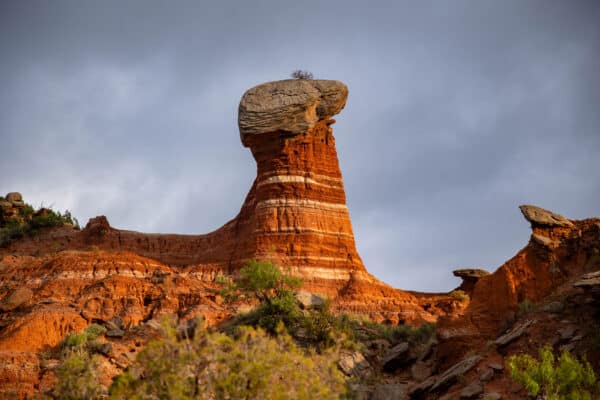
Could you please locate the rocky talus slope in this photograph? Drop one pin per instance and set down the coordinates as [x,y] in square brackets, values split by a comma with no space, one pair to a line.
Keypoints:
[547,294]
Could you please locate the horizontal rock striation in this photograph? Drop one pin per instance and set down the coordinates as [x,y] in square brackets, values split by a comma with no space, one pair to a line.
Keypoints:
[295,213]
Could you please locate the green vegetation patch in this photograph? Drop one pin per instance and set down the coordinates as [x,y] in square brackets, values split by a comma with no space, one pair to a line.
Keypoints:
[550,378]
[31,222]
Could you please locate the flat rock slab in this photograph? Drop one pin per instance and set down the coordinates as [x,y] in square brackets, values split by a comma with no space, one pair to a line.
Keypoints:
[470,273]
[589,281]
[514,333]
[396,357]
[354,364]
[448,377]
[451,374]
[539,216]
[471,391]
[567,332]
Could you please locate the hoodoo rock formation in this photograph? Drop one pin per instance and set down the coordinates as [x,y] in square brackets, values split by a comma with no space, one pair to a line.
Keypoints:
[295,213]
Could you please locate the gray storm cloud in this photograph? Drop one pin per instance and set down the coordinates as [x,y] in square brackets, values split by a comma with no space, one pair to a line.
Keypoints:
[458,112]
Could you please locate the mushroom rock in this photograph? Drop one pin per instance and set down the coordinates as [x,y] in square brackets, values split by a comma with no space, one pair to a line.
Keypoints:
[469,277]
[296,210]
[294,215]
[292,106]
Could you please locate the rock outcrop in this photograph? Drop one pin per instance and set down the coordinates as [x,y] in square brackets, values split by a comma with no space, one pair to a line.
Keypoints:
[292,106]
[543,218]
[295,213]
[469,277]
[528,277]
[10,208]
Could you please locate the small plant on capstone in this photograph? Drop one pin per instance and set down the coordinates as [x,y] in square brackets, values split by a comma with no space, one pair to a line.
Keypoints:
[301,74]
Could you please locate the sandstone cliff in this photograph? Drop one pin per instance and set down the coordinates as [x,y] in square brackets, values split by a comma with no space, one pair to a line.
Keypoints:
[295,215]
[559,251]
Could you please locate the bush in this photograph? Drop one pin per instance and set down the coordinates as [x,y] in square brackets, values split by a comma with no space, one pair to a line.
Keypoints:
[252,365]
[366,329]
[564,379]
[272,288]
[32,223]
[526,307]
[77,376]
[300,74]
[265,281]
[12,231]
[459,295]
[85,339]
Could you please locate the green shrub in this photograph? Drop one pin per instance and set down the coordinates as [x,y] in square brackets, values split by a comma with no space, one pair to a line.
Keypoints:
[85,340]
[32,223]
[77,376]
[265,281]
[460,295]
[562,379]
[253,365]
[12,231]
[526,307]
[366,329]
[272,288]
[27,211]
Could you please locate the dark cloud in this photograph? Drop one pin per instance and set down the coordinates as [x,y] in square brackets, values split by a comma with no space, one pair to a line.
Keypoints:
[458,113]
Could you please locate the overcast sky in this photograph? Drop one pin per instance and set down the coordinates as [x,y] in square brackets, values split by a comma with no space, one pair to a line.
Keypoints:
[459,111]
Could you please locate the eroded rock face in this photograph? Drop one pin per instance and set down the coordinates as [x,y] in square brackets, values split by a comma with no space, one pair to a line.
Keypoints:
[10,207]
[295,213]
[560,250]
